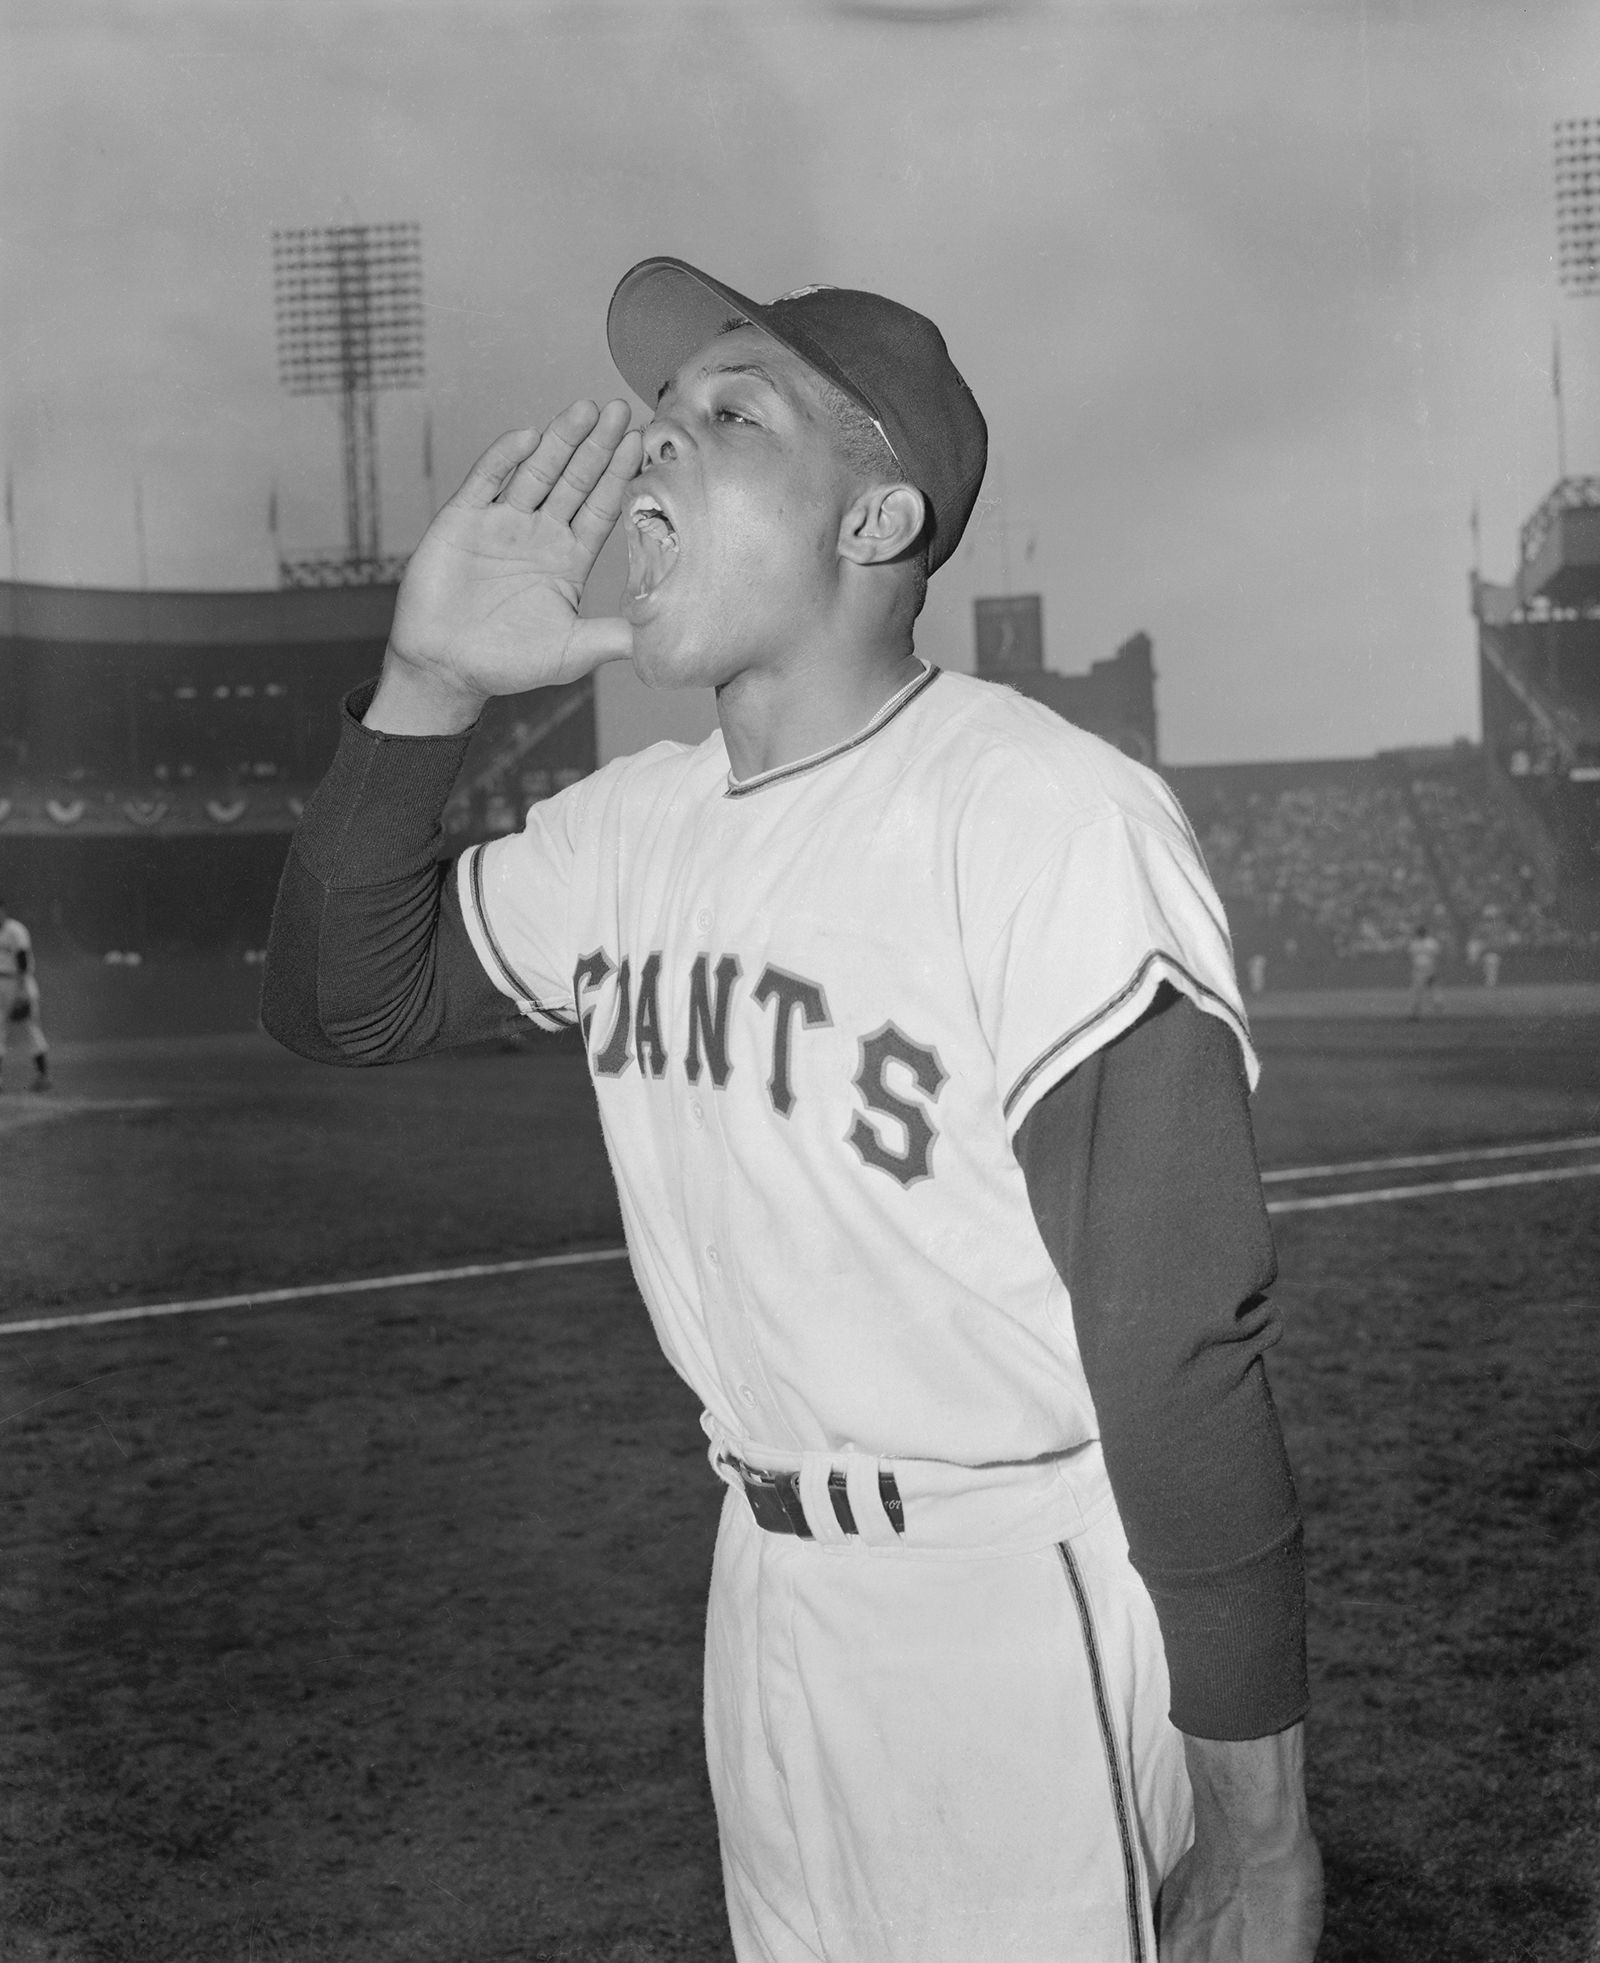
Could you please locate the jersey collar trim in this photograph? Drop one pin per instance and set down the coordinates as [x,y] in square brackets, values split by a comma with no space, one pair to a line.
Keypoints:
[885,716]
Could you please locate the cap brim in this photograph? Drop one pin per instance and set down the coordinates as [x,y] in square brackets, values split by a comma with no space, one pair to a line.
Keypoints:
[663,309]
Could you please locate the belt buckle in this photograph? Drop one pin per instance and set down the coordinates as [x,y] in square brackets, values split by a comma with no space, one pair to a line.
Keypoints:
[774,1499]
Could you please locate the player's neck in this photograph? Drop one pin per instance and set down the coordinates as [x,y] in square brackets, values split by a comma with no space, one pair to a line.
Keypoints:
[776,716]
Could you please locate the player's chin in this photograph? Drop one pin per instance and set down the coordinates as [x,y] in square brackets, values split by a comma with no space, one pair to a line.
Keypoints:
[666,657]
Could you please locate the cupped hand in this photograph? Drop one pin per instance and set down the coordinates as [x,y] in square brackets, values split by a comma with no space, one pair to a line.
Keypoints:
[489,603]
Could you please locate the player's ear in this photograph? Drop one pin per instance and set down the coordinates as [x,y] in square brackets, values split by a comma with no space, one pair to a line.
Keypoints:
[884,522]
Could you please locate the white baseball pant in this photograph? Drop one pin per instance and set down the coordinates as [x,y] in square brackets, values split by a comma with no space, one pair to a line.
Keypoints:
[939,1754]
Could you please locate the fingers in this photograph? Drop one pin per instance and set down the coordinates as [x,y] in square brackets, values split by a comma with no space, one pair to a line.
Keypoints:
[520,467]
[566,463]
[481,485]
[587,465]
[600,510]
[529,485]
[575,471]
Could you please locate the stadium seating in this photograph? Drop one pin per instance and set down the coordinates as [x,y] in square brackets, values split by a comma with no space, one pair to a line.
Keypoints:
[1353,865]
[1344,861]
[1497,894]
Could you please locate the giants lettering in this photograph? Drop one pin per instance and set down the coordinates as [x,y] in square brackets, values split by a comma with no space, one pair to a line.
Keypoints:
[590,972]
[790,992]
[710,1025]
[618,1052]
[647,1024]
[636,1031]
[885,1046]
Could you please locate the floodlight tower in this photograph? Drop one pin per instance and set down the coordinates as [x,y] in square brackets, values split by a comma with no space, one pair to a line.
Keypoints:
[349,310]
[1578,204]
[1577,145]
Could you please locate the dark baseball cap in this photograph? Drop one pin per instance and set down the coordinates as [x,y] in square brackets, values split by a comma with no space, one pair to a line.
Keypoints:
[890,361]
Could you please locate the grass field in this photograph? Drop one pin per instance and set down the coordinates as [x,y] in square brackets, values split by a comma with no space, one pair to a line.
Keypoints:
[368,1627]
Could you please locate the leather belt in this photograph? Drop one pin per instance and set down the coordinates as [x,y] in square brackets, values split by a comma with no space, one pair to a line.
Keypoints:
[775,1498]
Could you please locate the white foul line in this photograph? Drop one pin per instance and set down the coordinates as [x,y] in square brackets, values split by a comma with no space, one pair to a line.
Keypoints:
[265,1298]
[1315,1202]
[1533,1148]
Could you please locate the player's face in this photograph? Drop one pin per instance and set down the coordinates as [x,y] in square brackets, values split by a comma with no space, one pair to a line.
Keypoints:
[733,522]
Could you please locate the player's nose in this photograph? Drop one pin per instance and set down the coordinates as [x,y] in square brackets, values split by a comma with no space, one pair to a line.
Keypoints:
[664,441]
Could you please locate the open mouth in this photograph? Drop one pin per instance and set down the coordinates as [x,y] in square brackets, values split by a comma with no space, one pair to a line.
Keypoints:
[652,546]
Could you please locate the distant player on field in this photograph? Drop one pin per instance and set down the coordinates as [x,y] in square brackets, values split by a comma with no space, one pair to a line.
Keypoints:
[1424,949]
[913,1024]
[19,997]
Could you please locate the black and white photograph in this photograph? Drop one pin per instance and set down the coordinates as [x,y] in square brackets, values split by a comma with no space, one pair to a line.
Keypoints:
[800,969]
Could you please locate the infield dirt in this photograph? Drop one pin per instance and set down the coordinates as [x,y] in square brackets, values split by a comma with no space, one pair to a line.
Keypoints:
[370,1629]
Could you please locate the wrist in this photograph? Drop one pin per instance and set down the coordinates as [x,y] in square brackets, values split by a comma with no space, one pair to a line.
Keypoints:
[411,700]
[1250,1792]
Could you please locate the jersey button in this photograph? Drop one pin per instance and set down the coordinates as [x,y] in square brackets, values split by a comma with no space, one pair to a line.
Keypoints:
[697,1113]
[713,1258]
[746,1394]
[702,921]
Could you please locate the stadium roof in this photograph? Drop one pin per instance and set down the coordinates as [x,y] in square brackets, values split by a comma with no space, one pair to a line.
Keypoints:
[81,614]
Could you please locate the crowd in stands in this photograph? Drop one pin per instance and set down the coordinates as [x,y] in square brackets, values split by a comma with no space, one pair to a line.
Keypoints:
[1355,867]
[1342,861]
[1496,891]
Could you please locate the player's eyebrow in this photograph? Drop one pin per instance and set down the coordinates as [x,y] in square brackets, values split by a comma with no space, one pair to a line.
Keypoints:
[726,368]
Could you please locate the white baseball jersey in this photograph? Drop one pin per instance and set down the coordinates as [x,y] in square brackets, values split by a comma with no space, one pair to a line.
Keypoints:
[14,940]
[1425,950]
[818,1004]
[16,986]
[17,989]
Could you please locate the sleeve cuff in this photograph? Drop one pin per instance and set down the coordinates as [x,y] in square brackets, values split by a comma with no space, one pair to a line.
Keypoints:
[1236,1644]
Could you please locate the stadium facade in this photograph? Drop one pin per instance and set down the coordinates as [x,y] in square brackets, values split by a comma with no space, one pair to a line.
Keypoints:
[1539,680]
[1115,699]
[157,748]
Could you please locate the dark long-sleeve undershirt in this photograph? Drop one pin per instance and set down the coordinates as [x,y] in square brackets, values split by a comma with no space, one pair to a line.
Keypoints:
[368,960]
[1140,1167]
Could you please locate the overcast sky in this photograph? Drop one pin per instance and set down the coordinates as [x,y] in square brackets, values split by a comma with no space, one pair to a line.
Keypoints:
[1257,298]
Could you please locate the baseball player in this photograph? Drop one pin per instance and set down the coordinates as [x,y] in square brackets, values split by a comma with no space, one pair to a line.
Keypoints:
[913,1025]
[1424,950]
[19,990]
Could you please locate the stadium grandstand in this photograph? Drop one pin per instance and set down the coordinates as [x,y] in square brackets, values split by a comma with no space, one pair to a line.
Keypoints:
[1492,847]
[1338,859]
[1539,676]
[1328,866]
[156,749]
